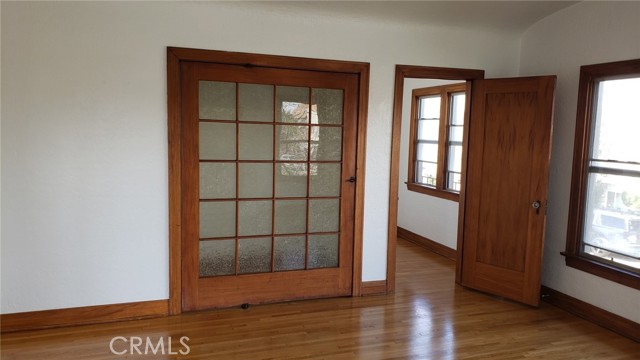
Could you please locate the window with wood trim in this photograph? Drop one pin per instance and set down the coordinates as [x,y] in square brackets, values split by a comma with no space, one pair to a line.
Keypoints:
[604,220]
[435,153]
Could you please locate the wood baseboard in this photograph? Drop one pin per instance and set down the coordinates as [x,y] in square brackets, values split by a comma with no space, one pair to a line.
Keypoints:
[374,288]
[594,314]
[428,244]
[83,315]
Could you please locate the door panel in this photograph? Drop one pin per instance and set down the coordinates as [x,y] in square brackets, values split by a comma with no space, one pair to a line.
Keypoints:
[508,158]
[267,212]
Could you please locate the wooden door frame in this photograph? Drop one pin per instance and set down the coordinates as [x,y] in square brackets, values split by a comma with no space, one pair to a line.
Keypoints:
[422,72]
[175,56]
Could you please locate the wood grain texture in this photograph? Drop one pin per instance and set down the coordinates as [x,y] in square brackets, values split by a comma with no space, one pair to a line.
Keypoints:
[429,317]
[370,288]
[594,314]
[83,315]
[174,178]
[509,152]
[419,72]
[428,244]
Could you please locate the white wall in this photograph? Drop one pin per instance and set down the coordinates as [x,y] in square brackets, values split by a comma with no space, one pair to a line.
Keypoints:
[429,216]
[586,33]
[84,144]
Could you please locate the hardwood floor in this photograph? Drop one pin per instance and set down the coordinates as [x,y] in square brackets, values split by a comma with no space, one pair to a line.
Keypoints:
[429,317]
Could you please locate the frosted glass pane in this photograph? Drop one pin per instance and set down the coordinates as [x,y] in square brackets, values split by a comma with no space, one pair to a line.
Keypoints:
[217,257]
[427,152]
[291,180]
[292,104]
[254,255]
[430,107]
[217,141]
[217,180]
[292,142]
[217,219]
[256,142]
[327,106]
[326,143]
[291,216]
[256,102]
[254,218]
[256,180]
[217,100]
[323,251]
[324,215]
[325,180]
[289,253]
[428,130]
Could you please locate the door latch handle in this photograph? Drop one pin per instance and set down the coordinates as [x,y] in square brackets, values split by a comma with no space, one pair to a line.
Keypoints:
[536,205]
[351,179]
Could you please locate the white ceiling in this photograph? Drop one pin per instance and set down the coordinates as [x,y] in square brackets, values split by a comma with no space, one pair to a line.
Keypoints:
[499,15]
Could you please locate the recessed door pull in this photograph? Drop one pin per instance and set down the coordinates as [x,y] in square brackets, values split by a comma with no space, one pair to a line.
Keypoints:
[351,179]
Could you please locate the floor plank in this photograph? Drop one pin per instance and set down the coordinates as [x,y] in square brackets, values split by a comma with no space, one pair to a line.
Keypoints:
[429,317]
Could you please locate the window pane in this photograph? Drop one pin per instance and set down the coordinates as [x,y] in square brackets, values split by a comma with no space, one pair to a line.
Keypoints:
[457,108]
[617,121]
[217,100]
[217,180]
[455,134]
[217,141]
[428,129]
[255,103]
[292,142]
[427,152]
[323,251]
[426,173]
[254,218]
[455,158]
[326,143]
[327,106]
[255,181]
[291,180]
[217,257]
[453,181]
[254,255]
[430,107]
[292,104]
[289,253]
[612,219]
[255,142]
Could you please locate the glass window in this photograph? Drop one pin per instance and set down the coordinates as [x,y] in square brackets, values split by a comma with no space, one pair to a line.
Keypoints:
[606,240]
[437,127]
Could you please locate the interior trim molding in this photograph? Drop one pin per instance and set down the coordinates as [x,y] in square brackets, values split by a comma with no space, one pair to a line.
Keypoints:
[594,314]
[428,244]
[420,72]
[175,57]
[378,287]
[86,315]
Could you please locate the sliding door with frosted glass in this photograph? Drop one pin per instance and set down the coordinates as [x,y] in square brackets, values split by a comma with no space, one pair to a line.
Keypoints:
[268,157]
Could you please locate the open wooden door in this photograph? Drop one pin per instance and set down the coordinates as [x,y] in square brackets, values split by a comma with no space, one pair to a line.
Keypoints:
[506,186]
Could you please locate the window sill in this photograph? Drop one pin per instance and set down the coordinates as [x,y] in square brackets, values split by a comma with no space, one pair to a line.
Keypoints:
[612,273]
[443,194]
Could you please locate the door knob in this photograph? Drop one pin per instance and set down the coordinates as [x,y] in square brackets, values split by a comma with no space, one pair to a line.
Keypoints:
[536,205]
[351,179]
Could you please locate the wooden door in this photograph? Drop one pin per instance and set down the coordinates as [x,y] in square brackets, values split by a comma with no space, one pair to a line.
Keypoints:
[506,189]
[268,184]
